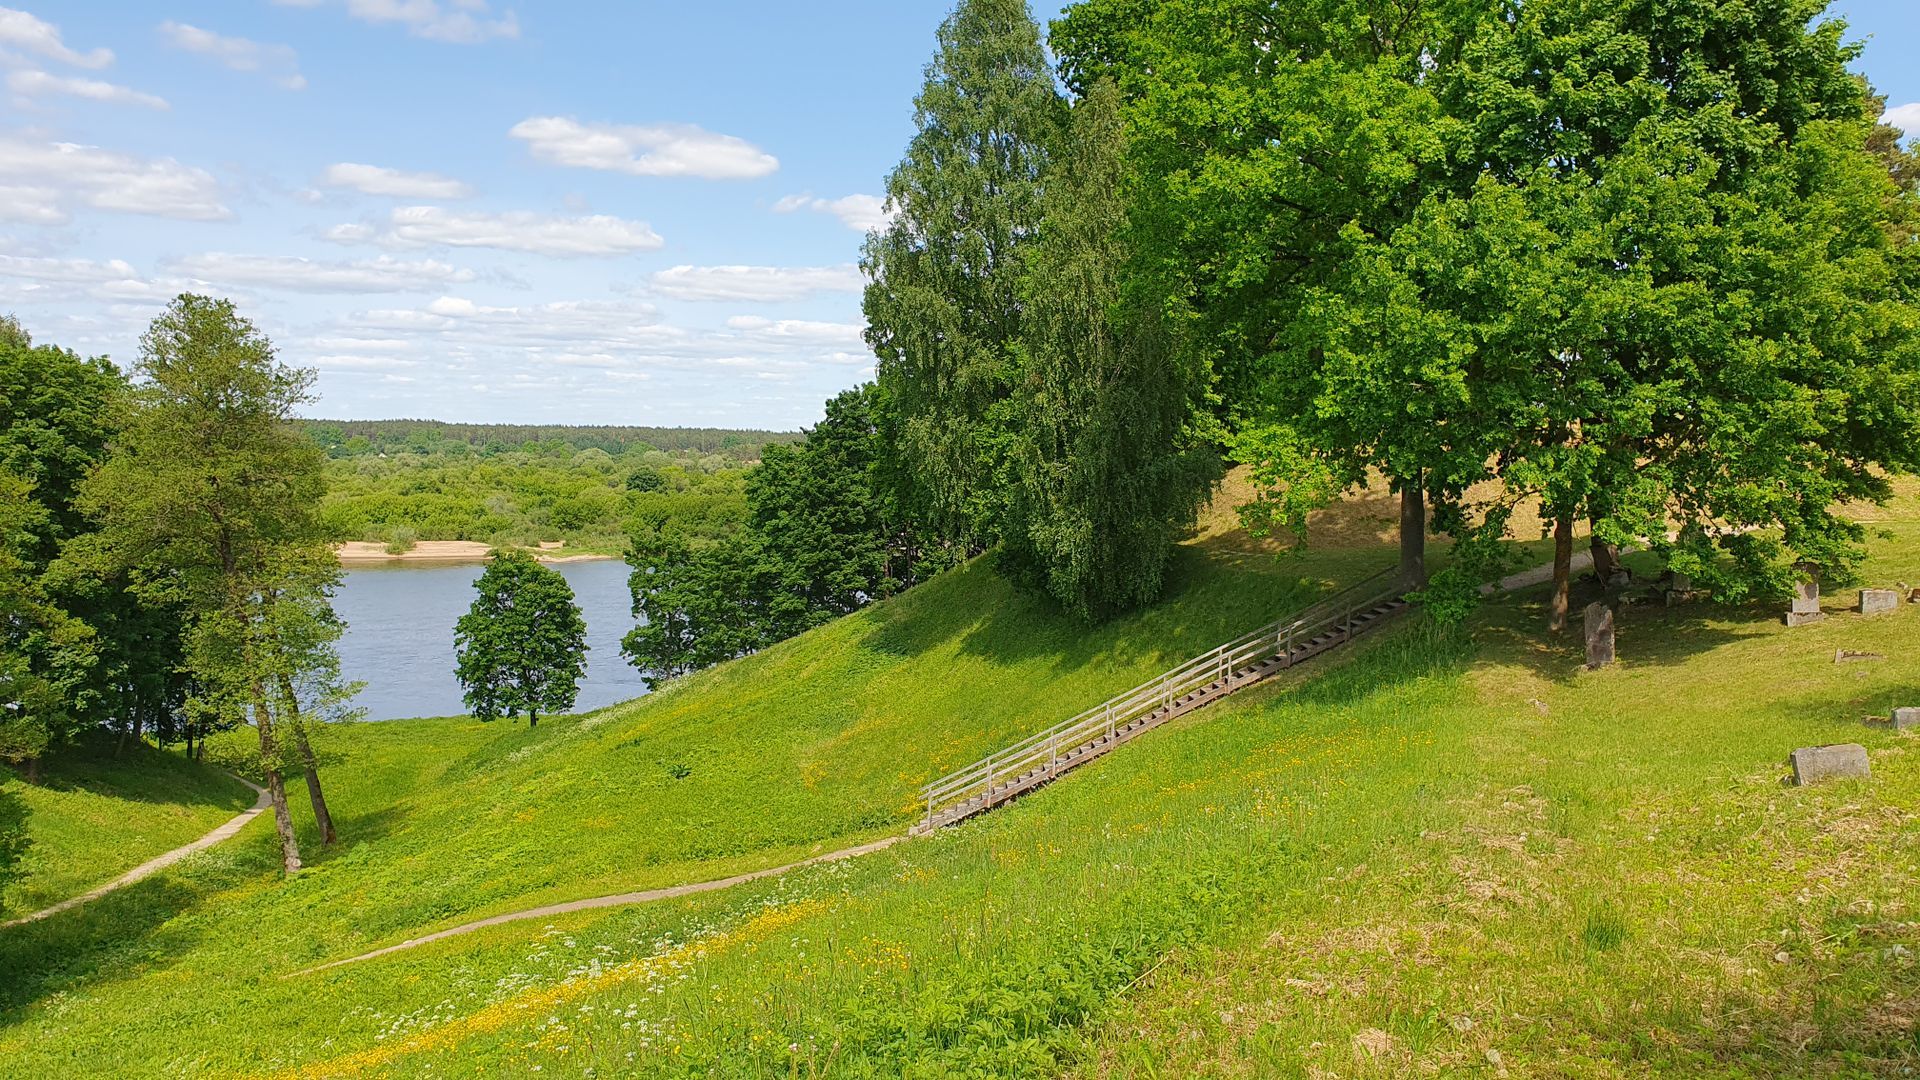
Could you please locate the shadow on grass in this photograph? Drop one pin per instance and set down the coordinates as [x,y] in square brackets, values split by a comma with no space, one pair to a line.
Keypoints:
[115,934]
[1210,596]
[1647,635]
[95,764]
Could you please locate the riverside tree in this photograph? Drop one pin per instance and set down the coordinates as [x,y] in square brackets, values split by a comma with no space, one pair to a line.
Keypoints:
[824,536]
[522,647]
[943,300]
[208,498]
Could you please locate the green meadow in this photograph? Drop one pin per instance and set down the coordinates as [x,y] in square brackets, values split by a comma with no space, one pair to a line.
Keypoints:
[1445,852]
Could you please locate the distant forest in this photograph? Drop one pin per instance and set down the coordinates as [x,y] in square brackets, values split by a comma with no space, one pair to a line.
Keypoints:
[356,438]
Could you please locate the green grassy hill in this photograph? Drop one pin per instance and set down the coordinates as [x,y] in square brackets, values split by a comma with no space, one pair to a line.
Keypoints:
[817,743]
[97,813]
[1443,852]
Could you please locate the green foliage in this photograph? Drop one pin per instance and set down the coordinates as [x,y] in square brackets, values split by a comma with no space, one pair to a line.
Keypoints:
[522,648]
[209,499]
[521,497]
[45,654]
[1110,454]
[373,438]
[943,303]
[822,538]
[1645,267]
[57,414]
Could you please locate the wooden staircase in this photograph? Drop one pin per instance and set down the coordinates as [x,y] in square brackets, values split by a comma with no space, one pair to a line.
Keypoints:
[1037,759]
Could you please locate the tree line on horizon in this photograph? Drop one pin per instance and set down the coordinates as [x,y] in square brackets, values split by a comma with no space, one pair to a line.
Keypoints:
[357,438]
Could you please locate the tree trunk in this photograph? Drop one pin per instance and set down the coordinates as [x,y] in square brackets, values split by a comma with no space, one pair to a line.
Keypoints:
[33,769]
[1606,558]
[312,767]
[1562,572]
[276,784]
[1413,531]
[533,719]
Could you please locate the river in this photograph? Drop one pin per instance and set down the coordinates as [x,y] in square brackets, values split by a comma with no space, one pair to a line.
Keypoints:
[399,637]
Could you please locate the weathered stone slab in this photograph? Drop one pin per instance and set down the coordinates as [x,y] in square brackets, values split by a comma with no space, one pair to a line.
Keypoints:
[1906,719]
[1812,764]
[1796,618]
[1876,601]
[1599,636]
[1806,598]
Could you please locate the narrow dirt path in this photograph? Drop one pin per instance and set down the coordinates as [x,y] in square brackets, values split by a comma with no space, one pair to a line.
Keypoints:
[158,862]
[614,900]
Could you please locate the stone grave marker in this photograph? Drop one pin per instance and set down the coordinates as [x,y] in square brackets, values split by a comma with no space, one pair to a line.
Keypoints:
[1812,764]
[1876,601]
[1599,636]
[1906,719]
[1806,604]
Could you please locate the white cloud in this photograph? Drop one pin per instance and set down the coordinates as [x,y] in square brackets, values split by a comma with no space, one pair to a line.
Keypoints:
[1905,117]
[861,212]
[800,332]
[278,62]
[20,30]
[57,280]
[374,180]
[105,180]
[643,149]
[462,22]
[379,275]
[36,83]
[537,234]
[763,284]
[33,205]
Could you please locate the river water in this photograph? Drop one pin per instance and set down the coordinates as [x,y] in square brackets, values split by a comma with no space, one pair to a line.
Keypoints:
[399,637]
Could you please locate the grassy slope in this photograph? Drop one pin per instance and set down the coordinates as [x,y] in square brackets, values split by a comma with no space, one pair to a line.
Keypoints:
[1445,844]
[816,743]
[1451,853]
[95,815]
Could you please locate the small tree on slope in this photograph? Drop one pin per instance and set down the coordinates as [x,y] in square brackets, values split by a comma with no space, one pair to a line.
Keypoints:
[522,647]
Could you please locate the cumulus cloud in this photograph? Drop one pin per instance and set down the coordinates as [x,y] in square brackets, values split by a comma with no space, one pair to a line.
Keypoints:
[38,83]
[381,275]
[461,22]
[537,234]
[643,149]
[277,62]
[764,284]
[90,176]
[374,180]
[1905,117]
[20,30]
[860,212]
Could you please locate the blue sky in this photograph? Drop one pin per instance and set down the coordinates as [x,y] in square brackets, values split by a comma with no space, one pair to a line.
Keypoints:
[640,212]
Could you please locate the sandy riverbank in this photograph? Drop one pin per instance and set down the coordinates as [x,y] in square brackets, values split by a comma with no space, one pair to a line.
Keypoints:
[361,552]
